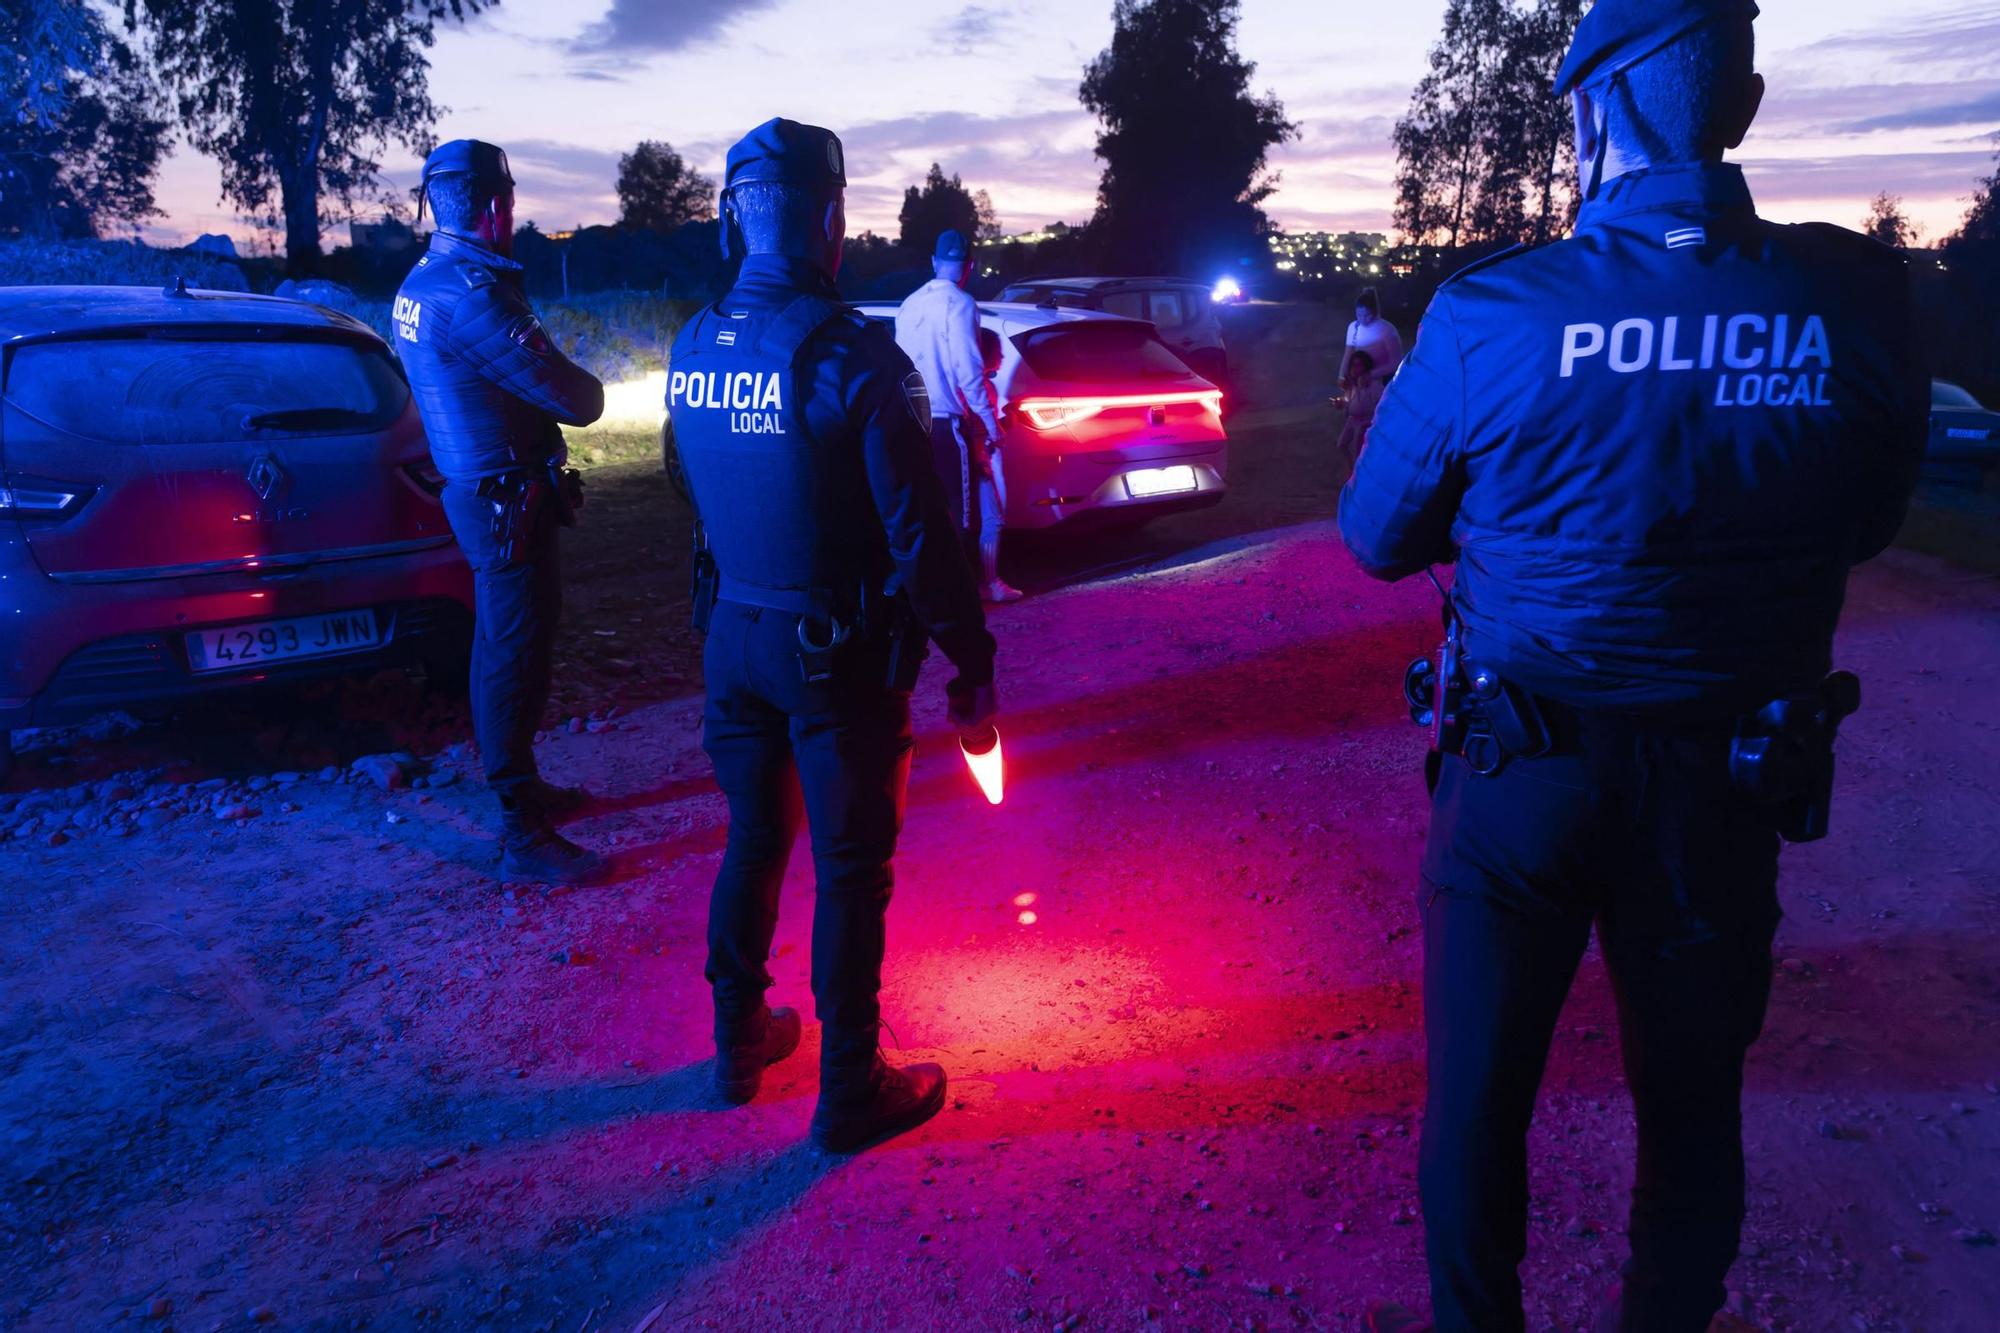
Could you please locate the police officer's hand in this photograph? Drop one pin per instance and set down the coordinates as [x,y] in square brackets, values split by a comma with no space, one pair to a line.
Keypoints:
[971,706]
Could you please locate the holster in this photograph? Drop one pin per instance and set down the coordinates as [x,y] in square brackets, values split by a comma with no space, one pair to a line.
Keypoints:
[909,644]
[516,498]
[1782,757]
[704,581]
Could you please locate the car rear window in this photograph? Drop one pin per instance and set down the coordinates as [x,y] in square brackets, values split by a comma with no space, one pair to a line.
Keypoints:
[1169,310]
[204,389]
[1100,352]
[1132,305]
[1950,395]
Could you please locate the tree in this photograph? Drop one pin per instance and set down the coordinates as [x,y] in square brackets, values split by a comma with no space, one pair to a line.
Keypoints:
[942,203]
[1542,145]
[1982,220]
[81,132]
[1885,222]
[989,221]
[297,97]
[1183,140]
[659,191]
[1485,147]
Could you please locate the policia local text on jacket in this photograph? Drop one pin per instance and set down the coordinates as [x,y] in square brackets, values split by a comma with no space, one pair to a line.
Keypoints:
[806,443]
[493,392]
[1655,450]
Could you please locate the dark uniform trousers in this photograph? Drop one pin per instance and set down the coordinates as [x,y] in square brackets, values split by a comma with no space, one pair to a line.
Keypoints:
[840,747]
[515,609]
[1638,829]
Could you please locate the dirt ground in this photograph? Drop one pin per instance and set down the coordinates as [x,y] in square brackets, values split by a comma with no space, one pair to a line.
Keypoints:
[275,1050]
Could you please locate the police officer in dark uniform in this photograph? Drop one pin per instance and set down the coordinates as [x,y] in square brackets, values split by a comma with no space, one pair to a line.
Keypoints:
[493,392]
[829,559]
[1655,450]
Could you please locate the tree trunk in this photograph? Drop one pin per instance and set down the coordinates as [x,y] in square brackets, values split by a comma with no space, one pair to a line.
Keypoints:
[1469,147]
[300,193]
[301,183]
[1552,151]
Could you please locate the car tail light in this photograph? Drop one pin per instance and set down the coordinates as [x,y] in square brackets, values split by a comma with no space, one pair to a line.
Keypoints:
[425,477]
[1055,413]
[26,497]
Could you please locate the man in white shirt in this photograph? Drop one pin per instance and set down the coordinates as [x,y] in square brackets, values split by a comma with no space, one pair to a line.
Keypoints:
[938,329]
[1374,335]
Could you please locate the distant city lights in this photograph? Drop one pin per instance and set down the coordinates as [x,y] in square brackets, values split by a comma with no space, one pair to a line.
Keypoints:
[1315,256]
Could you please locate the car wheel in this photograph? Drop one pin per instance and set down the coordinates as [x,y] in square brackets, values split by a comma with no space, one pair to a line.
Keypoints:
[670,461]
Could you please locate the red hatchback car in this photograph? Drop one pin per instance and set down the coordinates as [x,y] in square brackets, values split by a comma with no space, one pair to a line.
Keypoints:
[201,491]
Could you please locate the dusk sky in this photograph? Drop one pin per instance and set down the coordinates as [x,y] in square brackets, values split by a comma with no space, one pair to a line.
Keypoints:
[1865,96]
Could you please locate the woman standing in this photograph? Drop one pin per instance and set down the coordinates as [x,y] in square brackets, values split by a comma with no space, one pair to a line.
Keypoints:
[1374,335]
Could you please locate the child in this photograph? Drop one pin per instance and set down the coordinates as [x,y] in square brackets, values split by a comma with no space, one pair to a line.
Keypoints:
[992,486]
[1361,392]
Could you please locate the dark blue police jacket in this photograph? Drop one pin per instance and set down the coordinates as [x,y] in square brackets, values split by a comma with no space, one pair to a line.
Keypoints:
[806,440]
[489,384]
[1655,448]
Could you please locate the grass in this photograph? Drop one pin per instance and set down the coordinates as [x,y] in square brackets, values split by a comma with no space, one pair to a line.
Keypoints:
[612,442]
[27,263]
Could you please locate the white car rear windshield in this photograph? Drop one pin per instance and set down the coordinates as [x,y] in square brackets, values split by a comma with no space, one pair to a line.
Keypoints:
[1100,353]
[1950,395]
[204,389]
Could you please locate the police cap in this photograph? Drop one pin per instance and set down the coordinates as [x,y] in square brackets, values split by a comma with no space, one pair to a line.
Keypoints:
[788,153]
[951,246]
[1617,34]
[486,162]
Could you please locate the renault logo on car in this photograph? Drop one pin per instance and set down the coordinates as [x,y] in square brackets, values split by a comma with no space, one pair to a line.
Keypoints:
[265,476]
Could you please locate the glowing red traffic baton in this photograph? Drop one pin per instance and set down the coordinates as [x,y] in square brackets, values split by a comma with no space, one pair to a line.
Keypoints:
[981,749]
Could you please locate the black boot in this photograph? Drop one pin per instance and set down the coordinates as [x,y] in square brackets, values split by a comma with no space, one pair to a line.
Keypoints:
[741,1057]
[556,801]
[544,856]
[530,848]
[860,1108]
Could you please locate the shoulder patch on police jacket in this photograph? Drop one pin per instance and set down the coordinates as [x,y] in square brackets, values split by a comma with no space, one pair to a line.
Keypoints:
[1481,265]
[528,332]
[477,276]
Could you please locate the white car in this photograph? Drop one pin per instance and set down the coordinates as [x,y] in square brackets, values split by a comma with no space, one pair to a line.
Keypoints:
[1100,420]
[1963,430]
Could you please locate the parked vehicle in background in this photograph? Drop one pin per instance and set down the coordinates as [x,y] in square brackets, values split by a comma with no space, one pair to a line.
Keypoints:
[1101,421]
[202,491]
[1182,311]
[1963,430]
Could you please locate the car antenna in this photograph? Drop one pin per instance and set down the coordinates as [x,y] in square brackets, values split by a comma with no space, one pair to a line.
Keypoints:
[180,288]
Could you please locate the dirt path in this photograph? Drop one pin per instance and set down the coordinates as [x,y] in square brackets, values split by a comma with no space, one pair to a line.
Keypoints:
[274,1049]
[316,1066]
